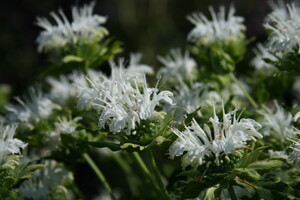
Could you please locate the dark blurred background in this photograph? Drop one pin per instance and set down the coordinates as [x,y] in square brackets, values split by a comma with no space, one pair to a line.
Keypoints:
[151,27]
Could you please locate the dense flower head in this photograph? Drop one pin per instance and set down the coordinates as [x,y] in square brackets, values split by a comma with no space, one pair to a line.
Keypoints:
[135,65]
[279,8]
[89,96]
[123,99]
[295,155]
[220,28]
[85,27]
[226,136]
[277,123]
[9,144]
[177,65]
[131,106]
[261,53]
[32,109]
[189,97]
[284,25]
[63,89]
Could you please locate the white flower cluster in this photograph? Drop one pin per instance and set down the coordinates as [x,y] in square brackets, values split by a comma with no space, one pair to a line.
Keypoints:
[227,135]
[34,108]
[261,53]
[90,96]
[284,23]
[177,65]
[9,144]
[277,123]
[123,99]
[84,28]
[295,155]
[279,9]
[62,89]
[220,28]
[188,98]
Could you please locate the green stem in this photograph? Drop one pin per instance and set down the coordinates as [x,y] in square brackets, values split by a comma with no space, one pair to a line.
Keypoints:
[157,175]
[232,192]
[145,171]
[251,100]
[99,174]
[131,178]
[76,191]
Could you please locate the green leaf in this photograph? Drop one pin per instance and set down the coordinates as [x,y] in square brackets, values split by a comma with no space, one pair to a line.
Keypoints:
[210,193]
[248,174]
[166,122]
[111,146]
[251,157]
[131,145]
[265,165]
[72,58]
[28,171]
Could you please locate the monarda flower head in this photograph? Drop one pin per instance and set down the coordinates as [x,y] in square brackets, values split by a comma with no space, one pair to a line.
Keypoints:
[32,109]
[295,155]
[177,65]
[201,144]
[85,27]
[122,100]
[259,61]
[284,40]
[220,42]
[219,28]
[277,123]
[9,144]
[131,106]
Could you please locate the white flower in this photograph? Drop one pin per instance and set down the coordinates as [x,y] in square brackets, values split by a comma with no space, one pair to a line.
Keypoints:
[261,53]
[277,123]
[279,9]
[120,99]
[65,125]
[285,36]
[295,155]
[188,98]
[177,65]
[90,96]
[9,144]
[35,107]
[63,89]
[130,106]
[225,137]
[220,28]
[84,28]
[136,67]
[44,182]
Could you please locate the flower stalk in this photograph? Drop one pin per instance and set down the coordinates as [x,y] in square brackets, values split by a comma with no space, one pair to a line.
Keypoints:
[232,192]
[146,172]
[100,175]
[247,95]
[156,174]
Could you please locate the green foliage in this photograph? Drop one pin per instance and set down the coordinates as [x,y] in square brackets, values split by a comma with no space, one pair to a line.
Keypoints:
[12,174]
[220,57]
